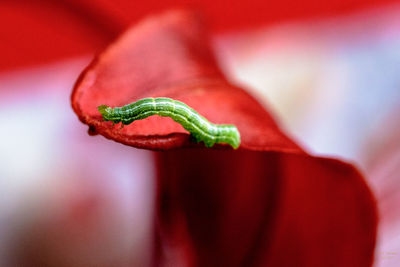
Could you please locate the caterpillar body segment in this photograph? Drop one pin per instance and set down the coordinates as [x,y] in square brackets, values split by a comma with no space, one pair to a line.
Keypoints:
[199,127]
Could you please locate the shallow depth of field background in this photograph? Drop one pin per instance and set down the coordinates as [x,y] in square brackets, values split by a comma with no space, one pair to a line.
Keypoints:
[332,82]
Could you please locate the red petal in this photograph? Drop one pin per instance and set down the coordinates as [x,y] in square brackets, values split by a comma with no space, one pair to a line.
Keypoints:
[225,207]
[168,56]
[246,208]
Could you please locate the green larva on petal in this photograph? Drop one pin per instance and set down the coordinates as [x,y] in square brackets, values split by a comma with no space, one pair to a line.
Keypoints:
[198,126]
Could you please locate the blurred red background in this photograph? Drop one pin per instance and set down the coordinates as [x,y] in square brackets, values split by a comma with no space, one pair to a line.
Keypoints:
[40,31]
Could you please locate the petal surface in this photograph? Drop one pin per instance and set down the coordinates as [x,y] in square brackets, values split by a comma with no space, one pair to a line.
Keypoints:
[169,56]
[266,204]
[250,208]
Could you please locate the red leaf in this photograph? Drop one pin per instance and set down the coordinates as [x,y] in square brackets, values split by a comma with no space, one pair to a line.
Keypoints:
[269,203]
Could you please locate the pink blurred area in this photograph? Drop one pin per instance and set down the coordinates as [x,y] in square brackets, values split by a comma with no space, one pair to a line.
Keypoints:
[329,72]
[67,199]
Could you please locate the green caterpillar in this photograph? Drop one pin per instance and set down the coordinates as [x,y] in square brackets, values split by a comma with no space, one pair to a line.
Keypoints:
[199,127]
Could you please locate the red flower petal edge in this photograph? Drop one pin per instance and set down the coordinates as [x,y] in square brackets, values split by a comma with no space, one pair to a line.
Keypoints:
[266,204]
[169,56]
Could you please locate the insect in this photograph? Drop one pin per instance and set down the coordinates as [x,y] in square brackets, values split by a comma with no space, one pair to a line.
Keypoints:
[198,126]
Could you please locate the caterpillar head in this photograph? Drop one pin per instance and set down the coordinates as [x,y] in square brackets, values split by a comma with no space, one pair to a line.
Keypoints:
[105,111]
